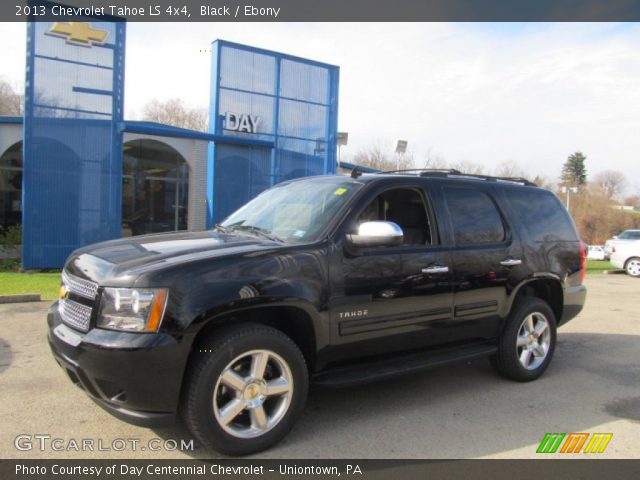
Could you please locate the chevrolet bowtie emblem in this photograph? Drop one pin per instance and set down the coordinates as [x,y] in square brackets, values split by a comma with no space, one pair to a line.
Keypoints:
[79,33]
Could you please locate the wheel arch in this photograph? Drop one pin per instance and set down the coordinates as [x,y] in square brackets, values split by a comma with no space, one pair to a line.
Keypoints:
[294,320]
[547,288]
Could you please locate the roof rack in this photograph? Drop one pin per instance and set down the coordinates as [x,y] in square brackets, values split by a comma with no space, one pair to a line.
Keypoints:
[452,172]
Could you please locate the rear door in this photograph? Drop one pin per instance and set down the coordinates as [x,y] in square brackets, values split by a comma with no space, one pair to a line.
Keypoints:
[486,259]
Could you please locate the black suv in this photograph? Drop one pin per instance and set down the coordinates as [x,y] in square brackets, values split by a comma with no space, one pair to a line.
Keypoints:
[332,281]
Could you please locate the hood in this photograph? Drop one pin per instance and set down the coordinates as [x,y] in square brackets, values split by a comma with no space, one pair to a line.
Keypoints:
[120,262]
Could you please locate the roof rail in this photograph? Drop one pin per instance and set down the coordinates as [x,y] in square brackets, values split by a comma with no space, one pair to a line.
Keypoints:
[451,172]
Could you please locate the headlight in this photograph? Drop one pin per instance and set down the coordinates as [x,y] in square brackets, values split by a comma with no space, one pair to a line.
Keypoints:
[132,309]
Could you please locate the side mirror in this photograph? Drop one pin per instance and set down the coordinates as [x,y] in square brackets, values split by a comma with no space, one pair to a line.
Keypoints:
[377,234]
[615,237]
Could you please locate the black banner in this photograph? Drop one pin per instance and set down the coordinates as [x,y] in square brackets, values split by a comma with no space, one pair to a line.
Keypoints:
[326,10]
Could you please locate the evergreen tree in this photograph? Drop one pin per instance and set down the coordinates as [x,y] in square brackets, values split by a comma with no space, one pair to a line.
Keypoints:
[574,172]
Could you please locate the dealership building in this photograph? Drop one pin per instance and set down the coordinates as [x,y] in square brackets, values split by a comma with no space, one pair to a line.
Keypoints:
[73,171]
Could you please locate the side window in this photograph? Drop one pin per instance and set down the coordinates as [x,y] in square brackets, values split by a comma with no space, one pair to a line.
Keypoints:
[474,216]
[542,215]
[405,207]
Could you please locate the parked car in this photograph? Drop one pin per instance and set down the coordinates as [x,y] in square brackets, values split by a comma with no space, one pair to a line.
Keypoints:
[623,237]
[596,252]
[332,281]
[627,257]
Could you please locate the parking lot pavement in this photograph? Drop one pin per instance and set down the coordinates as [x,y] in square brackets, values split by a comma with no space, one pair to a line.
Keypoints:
[460,411]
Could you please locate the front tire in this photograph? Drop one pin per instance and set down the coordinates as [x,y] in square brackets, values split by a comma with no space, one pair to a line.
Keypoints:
[527,344]
[246,387]
[632,267]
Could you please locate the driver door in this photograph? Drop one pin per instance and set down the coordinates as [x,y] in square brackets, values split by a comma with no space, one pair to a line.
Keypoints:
[394,297]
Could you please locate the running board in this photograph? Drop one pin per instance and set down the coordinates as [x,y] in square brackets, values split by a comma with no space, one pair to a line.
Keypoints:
[385,369]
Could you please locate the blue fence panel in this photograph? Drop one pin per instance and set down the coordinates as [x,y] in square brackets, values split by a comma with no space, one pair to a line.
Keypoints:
[73,152]
[262,95]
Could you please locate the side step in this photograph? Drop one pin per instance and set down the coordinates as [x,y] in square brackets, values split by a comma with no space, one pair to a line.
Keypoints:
[391,368]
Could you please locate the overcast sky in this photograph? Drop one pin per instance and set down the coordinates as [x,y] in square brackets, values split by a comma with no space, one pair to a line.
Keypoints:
[484,93]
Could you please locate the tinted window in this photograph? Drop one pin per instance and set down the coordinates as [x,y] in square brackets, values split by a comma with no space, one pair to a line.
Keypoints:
[542,214]
[474,216]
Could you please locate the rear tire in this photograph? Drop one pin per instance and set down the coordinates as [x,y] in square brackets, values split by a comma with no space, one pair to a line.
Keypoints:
[526,346]
[245,388]
[632,267]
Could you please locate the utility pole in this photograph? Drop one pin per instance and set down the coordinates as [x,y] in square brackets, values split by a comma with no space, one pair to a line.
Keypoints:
[568,191]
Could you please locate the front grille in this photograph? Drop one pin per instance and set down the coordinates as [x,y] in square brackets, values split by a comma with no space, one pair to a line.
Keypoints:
[80,286]
[75,314]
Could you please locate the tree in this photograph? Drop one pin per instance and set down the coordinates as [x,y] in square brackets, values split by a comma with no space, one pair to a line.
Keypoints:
[380,157]
[10,101]
[509,168]
[611,182]
[466,166]
[434,160]
[175,112]
[574,172]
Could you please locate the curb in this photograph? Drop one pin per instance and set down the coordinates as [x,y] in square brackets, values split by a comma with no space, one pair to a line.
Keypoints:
[20,298]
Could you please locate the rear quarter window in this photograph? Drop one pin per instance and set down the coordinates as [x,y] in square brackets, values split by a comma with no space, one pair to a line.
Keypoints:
[544,218]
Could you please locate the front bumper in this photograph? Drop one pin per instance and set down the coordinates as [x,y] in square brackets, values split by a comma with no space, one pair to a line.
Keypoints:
[135,377]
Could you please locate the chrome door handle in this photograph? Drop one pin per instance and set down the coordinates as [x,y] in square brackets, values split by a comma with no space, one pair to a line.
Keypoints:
[511,262]
[436,269]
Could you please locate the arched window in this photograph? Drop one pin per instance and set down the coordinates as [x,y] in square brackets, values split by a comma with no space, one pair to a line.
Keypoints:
[11,186]
[155,188]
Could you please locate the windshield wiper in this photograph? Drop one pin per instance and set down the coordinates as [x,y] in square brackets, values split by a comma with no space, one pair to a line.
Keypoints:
[220,228]
[253,229]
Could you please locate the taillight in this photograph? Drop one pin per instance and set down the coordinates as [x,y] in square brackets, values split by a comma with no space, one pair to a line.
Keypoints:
[613,249]
[583,260]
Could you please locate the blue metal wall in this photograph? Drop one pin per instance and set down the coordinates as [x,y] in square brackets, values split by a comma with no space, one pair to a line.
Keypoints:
[297,102]
[72,150]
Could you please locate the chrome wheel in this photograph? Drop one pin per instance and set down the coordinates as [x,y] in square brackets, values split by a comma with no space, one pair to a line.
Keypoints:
[533,340]
[253,393]
[633,267]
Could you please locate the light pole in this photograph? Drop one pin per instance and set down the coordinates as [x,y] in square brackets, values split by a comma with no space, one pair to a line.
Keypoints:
[568,191]
[343,139]
[401,148]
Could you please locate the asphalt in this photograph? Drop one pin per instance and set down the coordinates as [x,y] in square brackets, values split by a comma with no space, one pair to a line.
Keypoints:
[460,411]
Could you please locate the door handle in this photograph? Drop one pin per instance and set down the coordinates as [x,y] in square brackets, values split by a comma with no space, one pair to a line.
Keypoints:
[511,262]
[436,269]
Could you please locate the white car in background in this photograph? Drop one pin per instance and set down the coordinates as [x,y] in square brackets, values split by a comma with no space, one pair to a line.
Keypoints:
[626,236]
[627,256]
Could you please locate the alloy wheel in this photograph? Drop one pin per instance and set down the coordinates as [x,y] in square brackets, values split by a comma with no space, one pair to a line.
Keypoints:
[253,393]
[533,341]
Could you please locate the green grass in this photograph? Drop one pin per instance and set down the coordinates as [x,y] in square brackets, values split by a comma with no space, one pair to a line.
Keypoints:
[599,266]
[46,284]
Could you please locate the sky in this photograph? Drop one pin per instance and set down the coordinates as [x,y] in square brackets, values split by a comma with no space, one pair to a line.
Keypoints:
[486,93]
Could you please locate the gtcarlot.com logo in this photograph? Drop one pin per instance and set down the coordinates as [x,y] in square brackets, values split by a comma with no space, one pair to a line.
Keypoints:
[43,442]
[574,442]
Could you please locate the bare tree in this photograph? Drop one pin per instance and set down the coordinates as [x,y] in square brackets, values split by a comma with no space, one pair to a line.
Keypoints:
[379,156]
[611,182]
[175,112]
[434,159]
[544,182]
[466,166]
[509,168]
[10,101]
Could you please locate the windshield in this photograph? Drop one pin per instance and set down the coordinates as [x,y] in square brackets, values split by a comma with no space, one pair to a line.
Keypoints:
[294,212]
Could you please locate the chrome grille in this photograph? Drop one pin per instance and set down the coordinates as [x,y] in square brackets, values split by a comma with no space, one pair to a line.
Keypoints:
[75,314]
[80,286]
